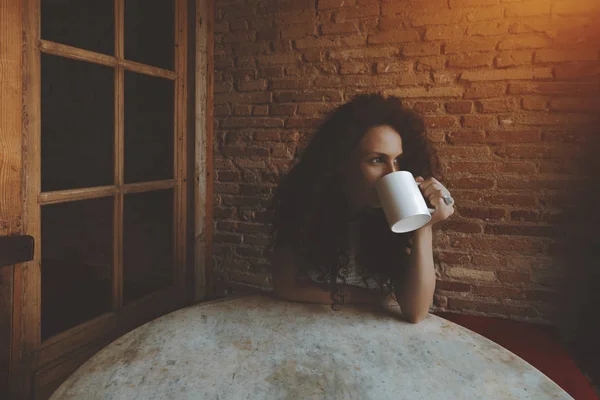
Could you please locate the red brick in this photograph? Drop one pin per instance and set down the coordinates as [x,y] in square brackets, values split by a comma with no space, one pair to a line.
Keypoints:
[485,14]
[513,199]
[506,104]
[371,52]
[439,121]
[228,176]
[262,110]
[525,216]
[352,67]
[240,10]
[454,258]
[444,32]
[358,12]
[563,137]
[472,3]
[333,4]
[575,104]
[244,98]
[471,45]
[528,8]
[452,286]
[471,274]
[426,106]
[396,36]
[514,58]
[547,88]
[242,110]
[487,260]
[459,107]
[514,277]
[576,71]
[341,28]
[229,188]
[479,121]
[278,84]
[316,96]
[475,182]
[394,8]
[484,213]
[303,123]
[267,136]
[328,81]
[581,7]
[534,103]
[470,152]
[313,55]
[514,136]
[278,59]
[470,60]
[315,108]
[522,73]
[283,109]
[222,110]
[466,136]
[431,63]
[492,243]
[438,17]
[297,31]
[227,238]
[422,5]
[462,226]
[257,240]
[485,90]
[244,151]
[521,230]
[566,55]
[555,119]
[531,41]
[499,292]
[487,28]
[253,122]
[425,92]
[421,49]
[252,86]
[271,72]
[391,66]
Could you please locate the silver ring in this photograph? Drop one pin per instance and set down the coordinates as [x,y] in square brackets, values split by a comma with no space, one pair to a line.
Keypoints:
[448,200]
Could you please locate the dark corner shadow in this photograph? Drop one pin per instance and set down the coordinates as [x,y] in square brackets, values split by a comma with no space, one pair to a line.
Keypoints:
[579,254]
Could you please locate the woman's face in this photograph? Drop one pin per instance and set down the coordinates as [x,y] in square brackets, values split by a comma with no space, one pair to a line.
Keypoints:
[378,153]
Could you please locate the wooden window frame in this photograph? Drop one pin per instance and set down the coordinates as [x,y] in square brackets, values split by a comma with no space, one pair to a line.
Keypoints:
[69,348]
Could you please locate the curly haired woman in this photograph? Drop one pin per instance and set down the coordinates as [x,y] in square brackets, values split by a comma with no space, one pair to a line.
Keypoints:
[332,242]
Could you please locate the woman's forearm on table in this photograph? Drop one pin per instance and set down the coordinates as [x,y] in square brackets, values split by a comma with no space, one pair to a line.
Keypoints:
[416,292]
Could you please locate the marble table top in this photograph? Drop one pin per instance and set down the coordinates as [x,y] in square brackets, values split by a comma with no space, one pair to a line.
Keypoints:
[256,347]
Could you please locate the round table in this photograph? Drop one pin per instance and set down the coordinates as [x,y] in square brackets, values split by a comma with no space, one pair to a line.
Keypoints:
[256,347]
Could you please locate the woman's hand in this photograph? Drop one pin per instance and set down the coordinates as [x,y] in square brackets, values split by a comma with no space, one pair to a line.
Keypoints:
[438,196]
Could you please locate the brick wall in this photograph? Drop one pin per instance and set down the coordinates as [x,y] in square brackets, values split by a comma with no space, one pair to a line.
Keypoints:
[509,90]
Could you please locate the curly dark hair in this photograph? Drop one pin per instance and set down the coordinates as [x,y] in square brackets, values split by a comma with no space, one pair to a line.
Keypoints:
[310,210]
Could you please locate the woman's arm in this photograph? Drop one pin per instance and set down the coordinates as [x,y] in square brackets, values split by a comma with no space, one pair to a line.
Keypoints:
[416,291]
[287,287]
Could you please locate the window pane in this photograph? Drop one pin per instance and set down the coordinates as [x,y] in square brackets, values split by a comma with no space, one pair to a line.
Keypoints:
[87,24]
[77,263]
[77,124]
[150,32]
[149,127]
[147,243]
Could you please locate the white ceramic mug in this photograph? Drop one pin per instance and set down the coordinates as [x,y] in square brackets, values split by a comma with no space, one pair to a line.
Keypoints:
[402,202]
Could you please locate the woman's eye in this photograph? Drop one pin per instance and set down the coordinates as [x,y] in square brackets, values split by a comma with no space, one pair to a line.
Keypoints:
[376,160]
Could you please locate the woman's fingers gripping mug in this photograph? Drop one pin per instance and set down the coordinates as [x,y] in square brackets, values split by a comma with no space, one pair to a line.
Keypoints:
[403,204]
